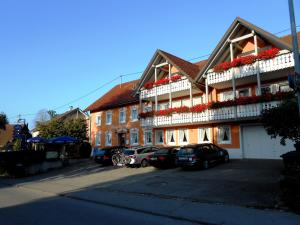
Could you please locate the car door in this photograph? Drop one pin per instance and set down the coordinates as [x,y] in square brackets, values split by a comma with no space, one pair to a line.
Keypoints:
[209,153]
[220,152]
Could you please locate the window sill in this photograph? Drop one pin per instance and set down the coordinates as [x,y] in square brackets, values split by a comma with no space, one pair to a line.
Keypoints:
[134,120]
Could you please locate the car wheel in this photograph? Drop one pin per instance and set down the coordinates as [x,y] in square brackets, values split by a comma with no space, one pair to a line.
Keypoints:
[144,163]
[205,164]
[226,159]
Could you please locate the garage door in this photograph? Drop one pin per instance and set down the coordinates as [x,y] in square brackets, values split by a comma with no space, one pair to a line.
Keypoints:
[258,144]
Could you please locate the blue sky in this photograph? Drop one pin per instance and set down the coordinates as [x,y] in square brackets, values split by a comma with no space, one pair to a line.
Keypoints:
[52,52]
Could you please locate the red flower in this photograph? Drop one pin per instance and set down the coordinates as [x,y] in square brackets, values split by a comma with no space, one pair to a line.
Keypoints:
[268,54]
[148,85]
[222,67]
[175,78]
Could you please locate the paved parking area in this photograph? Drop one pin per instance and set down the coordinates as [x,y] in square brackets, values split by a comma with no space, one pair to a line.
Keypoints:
[252,183]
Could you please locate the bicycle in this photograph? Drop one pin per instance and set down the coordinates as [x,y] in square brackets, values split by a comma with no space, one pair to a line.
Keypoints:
[119,159]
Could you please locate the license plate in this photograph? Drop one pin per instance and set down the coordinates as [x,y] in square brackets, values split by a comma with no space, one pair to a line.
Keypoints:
[182,158]
[153,158]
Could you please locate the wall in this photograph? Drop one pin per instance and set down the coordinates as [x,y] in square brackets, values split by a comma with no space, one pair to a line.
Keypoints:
[115,126]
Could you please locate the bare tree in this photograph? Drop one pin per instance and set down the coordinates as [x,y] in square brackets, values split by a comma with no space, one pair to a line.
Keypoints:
[42,116]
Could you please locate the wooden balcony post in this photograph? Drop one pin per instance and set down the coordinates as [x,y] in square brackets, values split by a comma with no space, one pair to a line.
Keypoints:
[191,100]
[170,91]
[155,77]
[257,67]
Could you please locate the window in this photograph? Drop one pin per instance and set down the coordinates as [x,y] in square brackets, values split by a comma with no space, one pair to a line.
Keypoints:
[134,136]
[134,113]
[98,120]
[148,108]
[204,135]
[159,137]
[244,92]
[224,135]
[108,117]
[228,95]
[183,136]
[171,137]
[148,137]
[122,115]
[98,139]
[108,138]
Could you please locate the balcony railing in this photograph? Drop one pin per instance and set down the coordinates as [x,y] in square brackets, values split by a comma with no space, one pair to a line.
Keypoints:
[180,85]
[221,114]
[281,61]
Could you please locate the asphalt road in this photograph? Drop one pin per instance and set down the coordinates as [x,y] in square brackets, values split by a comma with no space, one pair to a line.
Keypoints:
[31,207]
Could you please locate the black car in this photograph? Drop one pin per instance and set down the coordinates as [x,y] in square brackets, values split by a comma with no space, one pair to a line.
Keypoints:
[201,155]
[104,155]
[164,157]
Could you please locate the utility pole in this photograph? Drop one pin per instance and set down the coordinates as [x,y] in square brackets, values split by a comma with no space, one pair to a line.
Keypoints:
[295,50]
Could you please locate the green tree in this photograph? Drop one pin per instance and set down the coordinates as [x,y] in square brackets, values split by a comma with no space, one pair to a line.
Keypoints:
[283,121]
[17,145]
[3,120]
[75,128]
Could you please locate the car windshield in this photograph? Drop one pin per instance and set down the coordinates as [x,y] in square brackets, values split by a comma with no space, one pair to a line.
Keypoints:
[186,151]
[129,152]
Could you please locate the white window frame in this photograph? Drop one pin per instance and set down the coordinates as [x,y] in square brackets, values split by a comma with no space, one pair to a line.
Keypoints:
[131,113]
[106,117]
[220,138]
[224,93]
[147,131]
[134,131]
[181,132]
[98,119]
[157,137]
[238,92]
[174,136]
[98,134]
[122,110]
[201,132]
[108,134]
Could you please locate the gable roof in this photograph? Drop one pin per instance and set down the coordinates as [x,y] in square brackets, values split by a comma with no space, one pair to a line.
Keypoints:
[188,69]
[281,43]
[119,95]
[70,114]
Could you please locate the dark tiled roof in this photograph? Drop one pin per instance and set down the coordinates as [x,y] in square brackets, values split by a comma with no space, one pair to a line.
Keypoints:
[118,96]
[188,68]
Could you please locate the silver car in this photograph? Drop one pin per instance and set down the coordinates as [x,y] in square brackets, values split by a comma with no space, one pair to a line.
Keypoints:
[139,156]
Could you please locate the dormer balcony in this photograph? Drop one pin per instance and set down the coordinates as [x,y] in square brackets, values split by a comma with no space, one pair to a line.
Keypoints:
[262,67]
[176,85]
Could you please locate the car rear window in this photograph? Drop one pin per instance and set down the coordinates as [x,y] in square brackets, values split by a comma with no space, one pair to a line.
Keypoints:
[186,151]
[162,151]
[129,152]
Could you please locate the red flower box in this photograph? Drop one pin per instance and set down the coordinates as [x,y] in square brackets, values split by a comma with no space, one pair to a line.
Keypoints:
[246,60]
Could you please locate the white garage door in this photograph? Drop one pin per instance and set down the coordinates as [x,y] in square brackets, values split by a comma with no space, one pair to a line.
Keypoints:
[259,145]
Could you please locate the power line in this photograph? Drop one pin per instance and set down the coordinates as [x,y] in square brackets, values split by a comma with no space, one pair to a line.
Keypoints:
[120,77]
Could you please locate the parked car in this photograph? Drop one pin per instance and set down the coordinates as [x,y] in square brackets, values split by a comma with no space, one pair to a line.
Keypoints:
[164,157]
[139,156]
[104,155]
[201,155]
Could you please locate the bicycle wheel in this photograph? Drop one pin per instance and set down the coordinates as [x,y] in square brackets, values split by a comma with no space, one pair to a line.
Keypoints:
[115,160]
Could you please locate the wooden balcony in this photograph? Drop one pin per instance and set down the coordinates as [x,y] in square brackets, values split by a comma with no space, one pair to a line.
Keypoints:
[281,61]
[180,85]
[211,115]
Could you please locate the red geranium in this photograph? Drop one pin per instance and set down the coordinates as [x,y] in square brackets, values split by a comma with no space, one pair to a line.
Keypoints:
[148,85]
[222,67]
[268,54]
[175,78]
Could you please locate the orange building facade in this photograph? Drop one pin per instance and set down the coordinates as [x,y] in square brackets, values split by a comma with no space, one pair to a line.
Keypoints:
[218,100]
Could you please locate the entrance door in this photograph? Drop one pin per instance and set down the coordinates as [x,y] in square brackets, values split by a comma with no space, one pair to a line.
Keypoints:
[121,138]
